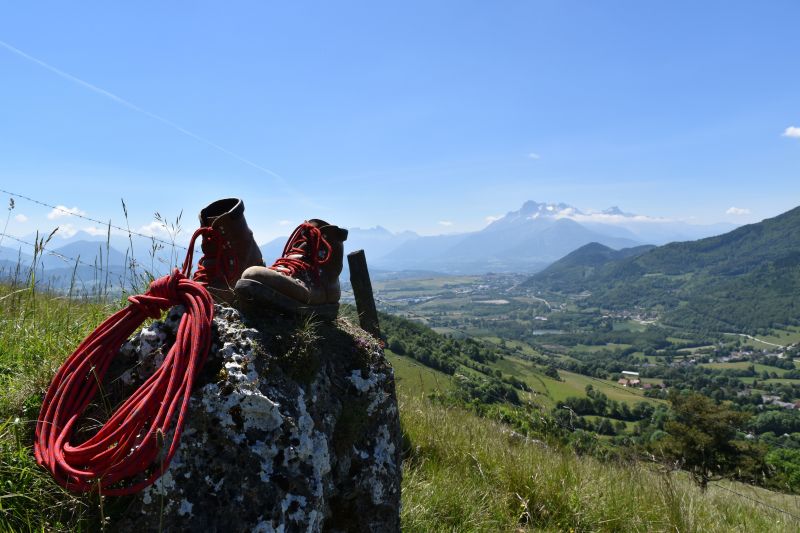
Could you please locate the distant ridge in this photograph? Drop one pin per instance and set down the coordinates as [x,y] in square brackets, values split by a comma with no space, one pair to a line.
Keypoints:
[746,279]
[571,271]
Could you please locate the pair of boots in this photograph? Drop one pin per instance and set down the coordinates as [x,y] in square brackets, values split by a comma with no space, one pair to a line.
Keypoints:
[304,280]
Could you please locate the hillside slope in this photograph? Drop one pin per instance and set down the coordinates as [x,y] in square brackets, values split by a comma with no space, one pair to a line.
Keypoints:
[460,472]
[574,269]
[746,279]
[465,473]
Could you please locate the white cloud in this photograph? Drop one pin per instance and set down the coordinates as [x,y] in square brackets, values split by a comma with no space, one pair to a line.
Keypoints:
[283,222]
[159,231]
[534,155]
[737,211]
[100,230]
[65,231]
[94,230]
[445,223]
[792,131]
[63,211]
[492,218]
[21,218]
[607,218]
[154,229]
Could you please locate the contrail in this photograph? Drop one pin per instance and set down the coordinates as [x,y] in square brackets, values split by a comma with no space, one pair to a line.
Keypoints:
[134,107]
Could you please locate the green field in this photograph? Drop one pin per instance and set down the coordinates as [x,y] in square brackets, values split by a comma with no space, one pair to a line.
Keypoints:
[628,424]
[778,381]
[790,335]
[414,378]
[599,348]
[629,325]
[551,392]
[421,287]
[523,347]
[742,365]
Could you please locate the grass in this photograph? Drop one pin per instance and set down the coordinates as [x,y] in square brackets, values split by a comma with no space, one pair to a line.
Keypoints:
[413,378]
[742,365]
[779,381]
[575,385]
[523,347]
[599,347]
[787,336]
[461,472]
[37,332]
[551,391]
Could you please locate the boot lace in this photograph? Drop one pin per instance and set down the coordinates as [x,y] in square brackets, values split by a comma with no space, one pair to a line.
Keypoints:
[305,251]
[224,263]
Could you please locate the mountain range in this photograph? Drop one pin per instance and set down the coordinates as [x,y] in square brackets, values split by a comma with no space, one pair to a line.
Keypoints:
[530,238]
[524,240]
[745,280]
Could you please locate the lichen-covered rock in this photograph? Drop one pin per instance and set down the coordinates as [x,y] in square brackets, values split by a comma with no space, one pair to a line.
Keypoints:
[293,427]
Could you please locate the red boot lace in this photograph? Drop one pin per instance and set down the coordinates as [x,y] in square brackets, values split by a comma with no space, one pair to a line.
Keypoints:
[302,252]
[225,263]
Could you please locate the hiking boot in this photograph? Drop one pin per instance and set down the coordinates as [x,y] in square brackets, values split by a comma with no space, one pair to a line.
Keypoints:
[305,279]
[228,250]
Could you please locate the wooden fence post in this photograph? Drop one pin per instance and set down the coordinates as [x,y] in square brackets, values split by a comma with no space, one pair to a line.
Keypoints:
[362,291]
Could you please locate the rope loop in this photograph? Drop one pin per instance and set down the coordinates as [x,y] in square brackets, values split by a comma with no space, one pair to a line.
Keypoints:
[163,293]
[136,444]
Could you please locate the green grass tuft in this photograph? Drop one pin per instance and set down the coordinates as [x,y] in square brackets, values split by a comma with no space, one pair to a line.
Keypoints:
[464,473]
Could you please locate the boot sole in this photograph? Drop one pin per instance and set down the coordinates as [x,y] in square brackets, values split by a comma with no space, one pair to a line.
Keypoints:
[254,297]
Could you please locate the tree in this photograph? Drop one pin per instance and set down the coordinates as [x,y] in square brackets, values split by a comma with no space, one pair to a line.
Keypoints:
[552,372]
[701,438]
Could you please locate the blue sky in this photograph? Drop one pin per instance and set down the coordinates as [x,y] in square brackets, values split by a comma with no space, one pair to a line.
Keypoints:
[429,116]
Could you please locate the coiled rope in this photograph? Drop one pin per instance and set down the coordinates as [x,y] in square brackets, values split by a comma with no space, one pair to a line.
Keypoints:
[131,444]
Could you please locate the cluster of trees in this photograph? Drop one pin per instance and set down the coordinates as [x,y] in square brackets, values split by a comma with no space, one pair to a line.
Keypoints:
[450,355]
[441,352]
[785,469]
[776,421]
[597,403]
[483,390]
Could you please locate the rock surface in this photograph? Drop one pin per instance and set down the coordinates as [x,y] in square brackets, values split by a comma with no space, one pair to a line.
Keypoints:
[293,427]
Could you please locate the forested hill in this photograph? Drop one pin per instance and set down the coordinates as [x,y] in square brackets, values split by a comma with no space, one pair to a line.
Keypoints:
[570,272]
[745,280]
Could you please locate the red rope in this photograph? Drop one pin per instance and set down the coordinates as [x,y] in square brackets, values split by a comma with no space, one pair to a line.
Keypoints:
[132,442]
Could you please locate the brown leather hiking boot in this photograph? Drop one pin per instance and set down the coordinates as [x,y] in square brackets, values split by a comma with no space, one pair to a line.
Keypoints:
[305,280]
[228,250]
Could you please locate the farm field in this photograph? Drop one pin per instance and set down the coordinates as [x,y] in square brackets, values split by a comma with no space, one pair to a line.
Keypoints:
[784,337]
[599,348]
[414,378]
[779,381]
[553,391]
[743,365]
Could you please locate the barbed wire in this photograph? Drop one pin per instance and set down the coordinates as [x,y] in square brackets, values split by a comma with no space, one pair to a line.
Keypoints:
[107,224]
[765,504]
[73,260]
[59,255]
